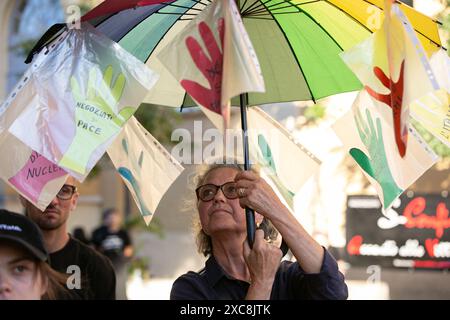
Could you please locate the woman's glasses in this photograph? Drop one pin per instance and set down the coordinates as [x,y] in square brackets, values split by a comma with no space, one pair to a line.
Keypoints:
[207,192]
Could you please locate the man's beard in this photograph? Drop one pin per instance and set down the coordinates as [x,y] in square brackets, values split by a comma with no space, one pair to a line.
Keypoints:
[50,224]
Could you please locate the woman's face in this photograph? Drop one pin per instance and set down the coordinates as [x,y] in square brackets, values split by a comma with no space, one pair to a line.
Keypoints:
[221,214]
[19,277]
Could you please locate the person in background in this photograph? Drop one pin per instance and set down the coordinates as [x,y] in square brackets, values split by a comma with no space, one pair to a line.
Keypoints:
[91,275]
[234,271]
[79,234]
[112,240]
[24,270]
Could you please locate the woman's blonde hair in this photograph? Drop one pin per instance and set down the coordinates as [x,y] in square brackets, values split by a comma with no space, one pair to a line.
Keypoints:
[203,241]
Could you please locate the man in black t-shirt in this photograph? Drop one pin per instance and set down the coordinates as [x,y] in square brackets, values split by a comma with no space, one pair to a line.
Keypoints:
[90,274]
[115,243]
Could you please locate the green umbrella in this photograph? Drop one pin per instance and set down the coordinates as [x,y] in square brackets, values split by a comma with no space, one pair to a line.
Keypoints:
[297,42]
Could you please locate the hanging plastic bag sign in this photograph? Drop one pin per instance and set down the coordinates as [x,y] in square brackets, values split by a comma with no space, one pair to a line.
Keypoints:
[87,87]
[27,172]
[35,175]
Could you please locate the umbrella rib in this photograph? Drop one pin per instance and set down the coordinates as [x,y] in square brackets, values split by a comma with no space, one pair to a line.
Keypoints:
[293,52]
[177,13]
[243,5]
[254,12]
[349,15]
[262,6]
[138,22]
[257,3]
[261,17]
[274,13]
[318,24]
[262,9]
[419,32]
[400,4]
[404,4]
[182,7]
[299,10]
[178,19]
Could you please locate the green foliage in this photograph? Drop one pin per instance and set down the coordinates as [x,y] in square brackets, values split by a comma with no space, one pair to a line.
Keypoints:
[136,222]
[24,47]
[314,113]
[142,264]
[158,120]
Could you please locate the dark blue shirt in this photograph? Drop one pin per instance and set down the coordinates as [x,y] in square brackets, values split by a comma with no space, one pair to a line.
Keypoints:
[291,282]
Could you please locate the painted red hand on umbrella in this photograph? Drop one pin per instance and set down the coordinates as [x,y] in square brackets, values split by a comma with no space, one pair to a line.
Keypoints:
[211,67]
[394,100]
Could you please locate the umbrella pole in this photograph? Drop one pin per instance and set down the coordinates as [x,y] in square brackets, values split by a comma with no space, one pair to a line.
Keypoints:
[249,213]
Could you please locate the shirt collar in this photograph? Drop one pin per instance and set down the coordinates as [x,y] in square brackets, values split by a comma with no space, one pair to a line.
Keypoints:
[214,272]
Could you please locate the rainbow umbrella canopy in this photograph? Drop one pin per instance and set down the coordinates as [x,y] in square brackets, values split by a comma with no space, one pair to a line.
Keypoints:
[297,42]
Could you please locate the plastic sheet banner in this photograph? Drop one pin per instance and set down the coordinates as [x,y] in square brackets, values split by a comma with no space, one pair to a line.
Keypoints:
[394,69]
[433,110]
[81,91]
[214,60]
[30,174]
[145,166]
[283,162]
[366,132]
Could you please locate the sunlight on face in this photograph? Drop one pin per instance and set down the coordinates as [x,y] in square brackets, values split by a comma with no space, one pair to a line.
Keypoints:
[221,214]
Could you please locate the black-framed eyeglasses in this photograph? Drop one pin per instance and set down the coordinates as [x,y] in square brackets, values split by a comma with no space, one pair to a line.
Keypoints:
[66,192]
[207,192]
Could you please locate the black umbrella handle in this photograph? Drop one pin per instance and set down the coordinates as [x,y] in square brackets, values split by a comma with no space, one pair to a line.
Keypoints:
[251,226]
[249,213]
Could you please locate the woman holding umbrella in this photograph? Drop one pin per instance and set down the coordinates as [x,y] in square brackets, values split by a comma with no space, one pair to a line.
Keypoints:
[234,270]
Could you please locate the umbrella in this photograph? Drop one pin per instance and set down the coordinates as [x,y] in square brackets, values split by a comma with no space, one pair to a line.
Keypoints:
[297,43]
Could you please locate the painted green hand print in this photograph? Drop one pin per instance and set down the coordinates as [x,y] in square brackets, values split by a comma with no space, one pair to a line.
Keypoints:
[269,163]
[376,164]
[95,119]
[128,175]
